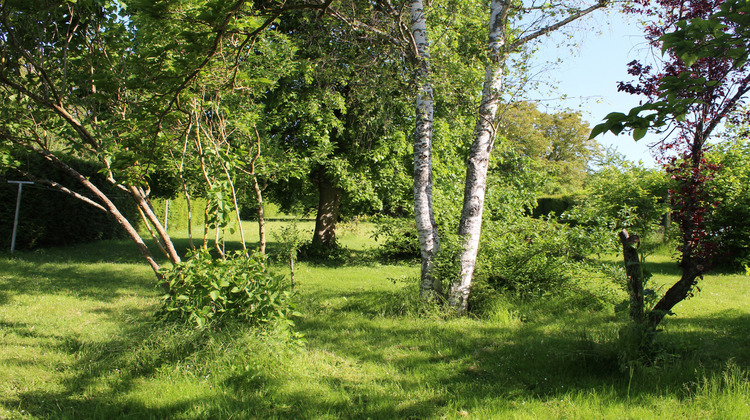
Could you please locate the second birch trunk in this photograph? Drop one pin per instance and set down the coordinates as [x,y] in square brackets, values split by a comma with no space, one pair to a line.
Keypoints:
[470,226]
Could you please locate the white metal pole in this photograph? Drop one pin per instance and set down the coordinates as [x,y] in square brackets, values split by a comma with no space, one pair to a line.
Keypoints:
[18,208]
[166,214]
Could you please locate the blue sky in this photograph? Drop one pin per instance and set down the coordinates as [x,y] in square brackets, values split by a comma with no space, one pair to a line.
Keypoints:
[588,74]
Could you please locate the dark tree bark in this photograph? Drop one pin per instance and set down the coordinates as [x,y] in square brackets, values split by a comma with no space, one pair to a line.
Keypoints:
[634,271]
[329,202]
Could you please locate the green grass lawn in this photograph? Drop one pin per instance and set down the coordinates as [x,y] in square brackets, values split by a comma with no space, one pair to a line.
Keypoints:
[78,339]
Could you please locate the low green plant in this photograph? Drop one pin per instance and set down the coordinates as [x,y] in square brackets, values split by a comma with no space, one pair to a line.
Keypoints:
[533,256]
[206,291]
[290,241]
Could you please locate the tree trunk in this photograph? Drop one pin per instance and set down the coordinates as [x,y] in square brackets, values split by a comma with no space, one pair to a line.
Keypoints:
[634,271]
[142,201]
[429,242]
[259,197]
[693,259]
[470,226]
[261,216]
[112,209]
[329,201]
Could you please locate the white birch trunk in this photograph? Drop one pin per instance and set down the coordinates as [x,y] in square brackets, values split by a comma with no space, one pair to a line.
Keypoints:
[470,226]
[429,243]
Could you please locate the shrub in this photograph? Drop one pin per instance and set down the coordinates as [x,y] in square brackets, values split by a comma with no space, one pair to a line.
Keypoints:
[208,291]
[728,221]
[534,257]
[397,236]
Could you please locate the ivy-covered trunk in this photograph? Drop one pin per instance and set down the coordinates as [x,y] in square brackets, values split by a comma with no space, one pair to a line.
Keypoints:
[470,226]
[329,202]
[429,242]
[634,271]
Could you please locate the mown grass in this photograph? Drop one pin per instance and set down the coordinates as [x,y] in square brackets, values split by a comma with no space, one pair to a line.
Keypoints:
[78,339]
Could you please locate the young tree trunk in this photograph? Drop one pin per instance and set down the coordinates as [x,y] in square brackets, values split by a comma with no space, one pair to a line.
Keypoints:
[261,216]
[329,201]
[111,209]
[634,272]
[259,197]
[142,201]
[470,226]
[429,242]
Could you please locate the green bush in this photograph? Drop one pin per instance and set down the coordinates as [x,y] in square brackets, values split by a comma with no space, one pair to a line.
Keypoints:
[52,218]
[208,291]
[533,257]
[397,236]
[729,221]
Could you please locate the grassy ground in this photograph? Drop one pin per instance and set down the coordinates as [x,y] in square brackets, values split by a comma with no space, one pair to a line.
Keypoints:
[78,340]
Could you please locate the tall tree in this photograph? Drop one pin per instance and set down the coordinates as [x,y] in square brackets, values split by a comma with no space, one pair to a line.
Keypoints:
[703,77]
[429,241]
[330,116]
[557,143]
[512,26]
[105,80]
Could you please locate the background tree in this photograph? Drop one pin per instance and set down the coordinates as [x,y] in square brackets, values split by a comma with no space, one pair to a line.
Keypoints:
[557,143]
[341,115]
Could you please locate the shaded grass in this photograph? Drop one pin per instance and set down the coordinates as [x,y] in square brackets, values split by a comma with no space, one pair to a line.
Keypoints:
[78,340]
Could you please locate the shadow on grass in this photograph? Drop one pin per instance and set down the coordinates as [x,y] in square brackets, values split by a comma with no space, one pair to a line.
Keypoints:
[383,365]
[28,276]
[125,252]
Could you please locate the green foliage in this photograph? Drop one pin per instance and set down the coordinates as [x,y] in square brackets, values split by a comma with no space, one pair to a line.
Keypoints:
[556,143]
[535,257]
[724,33]
[289,239]
[628,197]
[51,218]
[207,291]
[729,220]
[397,237]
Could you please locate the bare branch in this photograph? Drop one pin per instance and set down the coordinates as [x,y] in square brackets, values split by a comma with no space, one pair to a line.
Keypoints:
[577,15]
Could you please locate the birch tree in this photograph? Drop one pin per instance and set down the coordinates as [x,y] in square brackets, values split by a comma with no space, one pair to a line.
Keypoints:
[429,242]
[500,45]
[511,26]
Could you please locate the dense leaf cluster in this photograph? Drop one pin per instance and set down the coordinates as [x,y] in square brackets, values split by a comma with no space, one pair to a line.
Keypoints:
[207,291]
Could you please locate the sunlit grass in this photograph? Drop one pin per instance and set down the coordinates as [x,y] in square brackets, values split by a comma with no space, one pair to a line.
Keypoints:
[78,339]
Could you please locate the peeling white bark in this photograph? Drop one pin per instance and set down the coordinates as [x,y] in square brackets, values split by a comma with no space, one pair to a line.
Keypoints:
[470,227]
[429,241]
